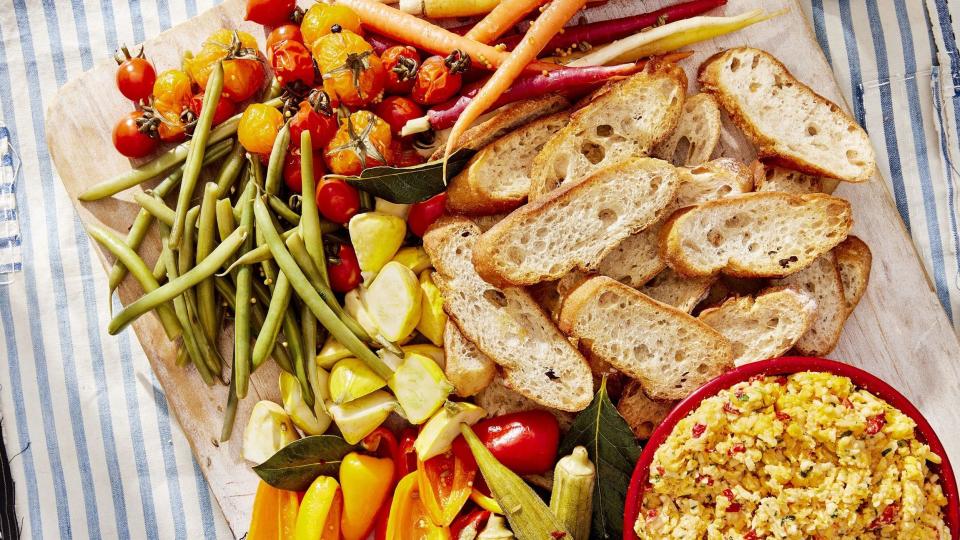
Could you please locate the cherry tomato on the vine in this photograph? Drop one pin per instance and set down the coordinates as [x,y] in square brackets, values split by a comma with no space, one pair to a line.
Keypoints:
[173,89]
[397,111]
[337,200]
[225,108]
[270,12]
[135,75]
[258,128]
[243,71]
[352,72]
[292,173]
[345,272]
[318,20]
[439,78]
[129,140]
[291,62]
[404,155]
[362,141]
[401,63]
[287,32]
[423,214]
[317,116]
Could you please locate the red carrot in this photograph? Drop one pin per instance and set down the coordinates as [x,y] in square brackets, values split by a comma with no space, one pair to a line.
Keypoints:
[575,79]
[606,31]
[380,43]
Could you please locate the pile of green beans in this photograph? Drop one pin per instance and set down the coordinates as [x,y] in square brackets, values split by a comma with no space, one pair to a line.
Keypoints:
[224,258]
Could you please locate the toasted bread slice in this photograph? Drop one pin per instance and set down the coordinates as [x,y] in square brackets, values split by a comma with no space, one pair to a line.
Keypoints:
[637,260]
[754,235]
[667,350]
[642,413]
[506,324]
[506,119]
[853,260]
[821,280]
[467,369]
[678,291]
[696,135]
[763,327]
[787,121]
[497,178]
[498,399]
[625,121]
[576,226]
[487,222]
[776,178]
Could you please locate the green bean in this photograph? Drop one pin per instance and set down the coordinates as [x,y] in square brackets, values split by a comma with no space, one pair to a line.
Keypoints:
[182,357]
[318,306]
[291,331]
[159,270]
[179,306]
[186,260]
[206,232]
[299,253]
[308,326]
[309,215]
[230,411]
[115,245]
[152,204]
[283,210]
[198,144]
[275,165]
[141,224]
[279,302]
[241,321]
[230,169]
[275,89]
[258,254]
[229,293]
[176,286]
[225,222]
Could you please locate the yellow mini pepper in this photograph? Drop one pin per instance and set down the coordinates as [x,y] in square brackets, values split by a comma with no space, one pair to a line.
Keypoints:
[366,483]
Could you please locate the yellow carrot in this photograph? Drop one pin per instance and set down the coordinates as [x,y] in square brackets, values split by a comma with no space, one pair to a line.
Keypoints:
[543,29]
[406,28]
[502,18]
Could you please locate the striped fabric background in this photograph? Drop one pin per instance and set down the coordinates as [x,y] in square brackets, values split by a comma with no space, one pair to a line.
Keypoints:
[97,453]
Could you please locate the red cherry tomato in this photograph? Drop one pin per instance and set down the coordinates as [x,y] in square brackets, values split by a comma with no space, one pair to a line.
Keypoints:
[525,442]
[286,32]
[270,12]
[135,75]
[337,201]
[404,155]
[291,62]
[401,63]
[423,214]
[397,111]
[129,140]
[439,78]
[225,108]
[317,116]
[292,171]
[345,273]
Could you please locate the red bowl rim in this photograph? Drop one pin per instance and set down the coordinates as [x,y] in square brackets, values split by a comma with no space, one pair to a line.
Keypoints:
[787,366]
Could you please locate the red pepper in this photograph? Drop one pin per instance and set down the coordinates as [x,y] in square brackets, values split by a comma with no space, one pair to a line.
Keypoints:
[383,443]
[445,482]
[783,417]
[525,442]
[875,424]
[406,454]
[885,518]
[383,517]
[698,430]
[468,526]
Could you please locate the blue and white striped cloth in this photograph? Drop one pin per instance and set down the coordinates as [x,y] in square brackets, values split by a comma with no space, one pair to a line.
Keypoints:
[97,452]
[10,257]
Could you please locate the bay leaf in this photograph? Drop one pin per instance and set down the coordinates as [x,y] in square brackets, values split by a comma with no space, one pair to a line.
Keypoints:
[613,449]
[407,185]
[297,464]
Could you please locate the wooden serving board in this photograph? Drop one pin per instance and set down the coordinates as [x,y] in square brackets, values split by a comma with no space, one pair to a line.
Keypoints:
[898,332]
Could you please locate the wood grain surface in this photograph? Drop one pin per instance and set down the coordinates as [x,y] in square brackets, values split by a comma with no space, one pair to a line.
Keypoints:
[898,332]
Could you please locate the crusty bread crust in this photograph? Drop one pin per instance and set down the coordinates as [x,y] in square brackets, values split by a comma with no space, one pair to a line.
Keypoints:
[679,352]
[696,135]
[789,148]
[467,369]
[821,280]
[641,413]
[483,187]
[577,224]
[854,259]
[814,224]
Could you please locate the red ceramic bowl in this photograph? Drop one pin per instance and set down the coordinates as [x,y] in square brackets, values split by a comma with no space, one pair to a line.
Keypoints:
[786,366]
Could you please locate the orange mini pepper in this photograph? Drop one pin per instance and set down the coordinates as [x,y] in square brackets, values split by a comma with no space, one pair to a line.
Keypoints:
[445,483]
[366,482]
[274,514]
[408,518]
[319,515]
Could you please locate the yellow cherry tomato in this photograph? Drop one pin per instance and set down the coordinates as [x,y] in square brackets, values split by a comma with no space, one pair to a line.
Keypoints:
[243,72]
[363,140]
[318,20]
[173,89]
[258,128]
[352,72]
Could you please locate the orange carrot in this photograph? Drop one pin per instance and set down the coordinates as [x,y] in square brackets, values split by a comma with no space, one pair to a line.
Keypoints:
[502,18]
[543,29]
[408,29]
